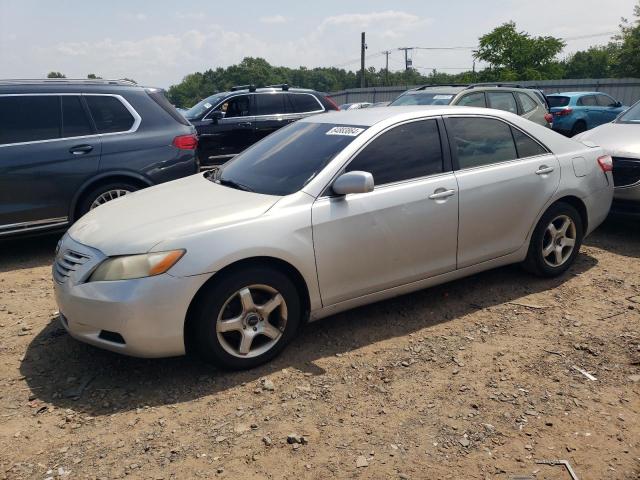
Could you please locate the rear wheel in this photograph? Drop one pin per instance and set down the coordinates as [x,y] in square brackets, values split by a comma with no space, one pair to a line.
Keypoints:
[103,194]
[246,317]
[555,242]
[578,127]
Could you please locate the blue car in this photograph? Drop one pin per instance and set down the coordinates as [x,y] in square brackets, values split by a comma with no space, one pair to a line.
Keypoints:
[576,112]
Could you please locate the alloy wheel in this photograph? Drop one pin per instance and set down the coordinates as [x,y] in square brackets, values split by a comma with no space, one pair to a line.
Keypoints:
[108,196]
[251,321]
[559,241]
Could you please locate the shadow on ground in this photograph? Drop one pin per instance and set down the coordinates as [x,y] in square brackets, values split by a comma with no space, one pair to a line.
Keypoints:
[619,235]
[59,369]
[28,252]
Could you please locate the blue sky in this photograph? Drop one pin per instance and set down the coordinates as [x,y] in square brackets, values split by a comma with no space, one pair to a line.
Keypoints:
[158,42]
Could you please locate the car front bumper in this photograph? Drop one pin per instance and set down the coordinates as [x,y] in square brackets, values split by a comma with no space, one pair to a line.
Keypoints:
[141,317]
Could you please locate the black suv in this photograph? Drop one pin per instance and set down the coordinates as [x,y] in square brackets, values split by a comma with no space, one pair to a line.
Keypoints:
[229,122]
[67,146]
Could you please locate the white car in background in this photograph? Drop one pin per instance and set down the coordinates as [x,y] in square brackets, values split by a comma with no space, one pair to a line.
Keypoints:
[329,213]
[621,139]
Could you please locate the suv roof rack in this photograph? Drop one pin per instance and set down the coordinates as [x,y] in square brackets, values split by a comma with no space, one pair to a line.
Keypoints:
[500,84]
[436,85]
[251,88]
[283,86]
[91,81]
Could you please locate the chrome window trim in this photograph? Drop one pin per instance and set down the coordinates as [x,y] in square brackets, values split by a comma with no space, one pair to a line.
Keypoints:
[33,225]
[283,114]
[136,123]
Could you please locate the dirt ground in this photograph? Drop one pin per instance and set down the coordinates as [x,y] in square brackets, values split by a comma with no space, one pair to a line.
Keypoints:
[469,380]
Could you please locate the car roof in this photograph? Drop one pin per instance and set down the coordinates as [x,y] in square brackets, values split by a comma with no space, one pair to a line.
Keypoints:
[573,94]
[435,89]
[366,117]
[62,85]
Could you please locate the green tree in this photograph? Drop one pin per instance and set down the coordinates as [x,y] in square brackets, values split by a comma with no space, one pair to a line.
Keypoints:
[56,75]
[596,62]
[514,55]
[627,47]
[93,76]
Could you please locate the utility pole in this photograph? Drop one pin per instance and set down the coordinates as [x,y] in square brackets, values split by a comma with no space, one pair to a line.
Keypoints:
[363,47]
[407,62]
[386,68]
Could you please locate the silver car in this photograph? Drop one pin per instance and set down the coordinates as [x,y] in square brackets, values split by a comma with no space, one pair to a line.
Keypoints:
[329,213]
[621,139]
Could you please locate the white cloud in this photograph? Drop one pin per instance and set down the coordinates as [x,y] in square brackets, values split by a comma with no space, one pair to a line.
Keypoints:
[401,20]
[135,17]
[190,15]
[274,19]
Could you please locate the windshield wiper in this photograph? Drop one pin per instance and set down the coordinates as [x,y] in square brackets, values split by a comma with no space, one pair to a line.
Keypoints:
[232,184]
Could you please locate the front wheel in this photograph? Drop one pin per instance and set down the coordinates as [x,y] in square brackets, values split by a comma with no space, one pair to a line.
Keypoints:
[555,242]
[245,318]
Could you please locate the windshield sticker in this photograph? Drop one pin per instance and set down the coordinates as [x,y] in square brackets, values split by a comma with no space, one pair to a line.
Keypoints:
[442,97]
[346,131]
[207,105]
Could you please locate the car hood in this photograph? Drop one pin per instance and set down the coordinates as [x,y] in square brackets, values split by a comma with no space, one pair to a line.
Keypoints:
[618,139]
[136,222]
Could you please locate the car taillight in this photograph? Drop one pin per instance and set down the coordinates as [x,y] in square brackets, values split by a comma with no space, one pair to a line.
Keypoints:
[332,103]
[186,142]
[548,118]
[564,112]
[606,163]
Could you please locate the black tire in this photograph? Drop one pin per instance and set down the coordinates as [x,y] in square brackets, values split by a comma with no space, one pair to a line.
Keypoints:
[535,261]
[87,200]
[578,127]
[203,337]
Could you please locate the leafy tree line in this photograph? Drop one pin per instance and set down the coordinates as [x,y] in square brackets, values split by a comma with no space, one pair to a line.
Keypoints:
[512,55]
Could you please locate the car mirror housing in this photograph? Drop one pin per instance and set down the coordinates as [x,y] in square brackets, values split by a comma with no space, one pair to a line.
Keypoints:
[353,182]
[216,116]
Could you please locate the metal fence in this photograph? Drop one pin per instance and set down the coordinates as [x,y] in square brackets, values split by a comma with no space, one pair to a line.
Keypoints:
[626,90]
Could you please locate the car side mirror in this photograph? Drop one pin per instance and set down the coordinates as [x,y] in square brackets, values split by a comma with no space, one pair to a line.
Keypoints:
[353,182]
[618,104]
[217,116]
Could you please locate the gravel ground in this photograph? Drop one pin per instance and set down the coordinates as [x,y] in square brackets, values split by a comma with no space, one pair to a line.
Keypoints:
[472,379]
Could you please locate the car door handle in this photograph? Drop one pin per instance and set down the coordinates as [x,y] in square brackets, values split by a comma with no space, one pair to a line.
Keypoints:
[440,194]
[543,169]
[81,149]
[244,124]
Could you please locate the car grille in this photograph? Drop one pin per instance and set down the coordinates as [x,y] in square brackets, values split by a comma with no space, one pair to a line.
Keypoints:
[626,171]
[66,263]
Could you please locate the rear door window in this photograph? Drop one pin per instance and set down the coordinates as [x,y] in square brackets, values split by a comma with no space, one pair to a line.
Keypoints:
[480,141]
[109,114]
[407,151]
[75,122]
[527,103]
[588,101]
[527,146]
[29,118]
[303,103]
[270,104]
[605,101]
[472,100]
[502,101]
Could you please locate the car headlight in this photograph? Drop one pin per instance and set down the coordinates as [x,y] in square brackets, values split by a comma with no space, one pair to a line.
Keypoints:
[136,266]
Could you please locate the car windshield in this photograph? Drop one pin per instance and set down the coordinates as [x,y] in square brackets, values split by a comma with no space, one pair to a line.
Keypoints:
[424,98]
[288,159]
[203,106]
[557,101]
[632,115]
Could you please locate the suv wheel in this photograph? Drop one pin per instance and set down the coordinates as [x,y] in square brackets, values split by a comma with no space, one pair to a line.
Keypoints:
[103,194]
[555,242]
[579,127]
[246,317]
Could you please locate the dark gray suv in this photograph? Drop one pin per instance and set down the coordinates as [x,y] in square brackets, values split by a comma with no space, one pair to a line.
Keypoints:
[67,146]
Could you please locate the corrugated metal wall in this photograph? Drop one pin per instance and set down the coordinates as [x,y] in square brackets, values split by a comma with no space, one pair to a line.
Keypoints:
[626,90]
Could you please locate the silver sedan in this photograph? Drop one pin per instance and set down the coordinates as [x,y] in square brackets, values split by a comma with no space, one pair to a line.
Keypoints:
[329,213]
